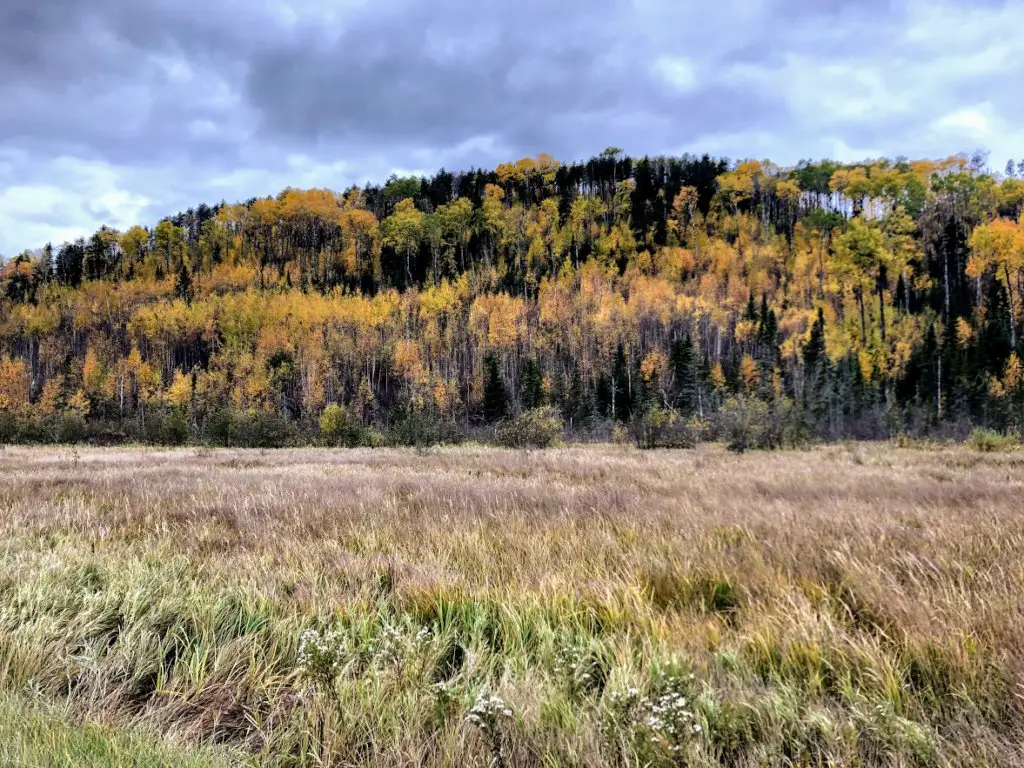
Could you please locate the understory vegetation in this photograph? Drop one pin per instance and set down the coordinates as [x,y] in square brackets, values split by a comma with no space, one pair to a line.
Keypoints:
[852,604]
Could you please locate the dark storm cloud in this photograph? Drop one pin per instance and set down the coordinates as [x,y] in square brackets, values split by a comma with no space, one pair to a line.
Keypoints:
[130,107]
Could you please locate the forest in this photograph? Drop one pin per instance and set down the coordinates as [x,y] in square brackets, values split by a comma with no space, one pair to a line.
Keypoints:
[666,298]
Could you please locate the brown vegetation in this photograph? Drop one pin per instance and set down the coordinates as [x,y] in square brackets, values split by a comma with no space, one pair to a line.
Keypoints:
[852,605]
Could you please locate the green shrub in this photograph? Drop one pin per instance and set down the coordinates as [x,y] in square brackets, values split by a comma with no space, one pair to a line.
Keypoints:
[217,429]
[68,427]
[419,427]
[790,426]
[251,429]
[536,428]
[665,428]
[259,429]
[990,441]
[338,428]
[745,423]
[168,428]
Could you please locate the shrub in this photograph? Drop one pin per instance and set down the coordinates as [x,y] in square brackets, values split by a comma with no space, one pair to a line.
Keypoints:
[339,428]
[259,429]
[790,425]
[420,427]
[665,428]
[252,429]
[66,427]
[990,441]
[170,428]
[217,429]
[744,423]
[536,428]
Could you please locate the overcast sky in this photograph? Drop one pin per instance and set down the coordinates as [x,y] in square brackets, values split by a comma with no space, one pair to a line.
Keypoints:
[123,111]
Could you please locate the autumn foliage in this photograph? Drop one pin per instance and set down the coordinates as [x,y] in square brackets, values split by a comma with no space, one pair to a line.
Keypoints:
[847,299]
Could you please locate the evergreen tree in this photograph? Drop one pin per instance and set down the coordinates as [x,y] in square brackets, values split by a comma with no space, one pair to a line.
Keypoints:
[949,372]
[69,265]
[495,406]
[605,400]
[993,344]
[751,313]
[927,369]
[579,407]
[183,283]
[684,374]
[816,367]
[768,335]
[533,385]
[621,400]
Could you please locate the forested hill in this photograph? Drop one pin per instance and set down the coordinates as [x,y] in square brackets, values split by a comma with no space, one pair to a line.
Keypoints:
[839,299]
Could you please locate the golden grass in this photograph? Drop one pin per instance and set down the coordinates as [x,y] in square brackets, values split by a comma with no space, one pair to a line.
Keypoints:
[850,605]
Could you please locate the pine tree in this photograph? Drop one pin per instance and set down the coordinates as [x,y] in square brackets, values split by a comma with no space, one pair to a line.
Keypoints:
[767,335]
[751,313]
[495,404]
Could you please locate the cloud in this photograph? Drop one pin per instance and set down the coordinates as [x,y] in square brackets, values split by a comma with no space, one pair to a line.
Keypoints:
[122,108]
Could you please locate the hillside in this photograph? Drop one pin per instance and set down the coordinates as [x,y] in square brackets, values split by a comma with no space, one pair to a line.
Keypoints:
[830,300]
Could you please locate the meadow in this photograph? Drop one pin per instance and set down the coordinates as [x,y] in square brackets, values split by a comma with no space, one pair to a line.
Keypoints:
[850,605]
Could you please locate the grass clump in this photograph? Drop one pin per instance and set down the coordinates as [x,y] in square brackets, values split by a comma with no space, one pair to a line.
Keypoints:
[34,734]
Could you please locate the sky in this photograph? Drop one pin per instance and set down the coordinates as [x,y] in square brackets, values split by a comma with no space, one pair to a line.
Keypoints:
[121,112]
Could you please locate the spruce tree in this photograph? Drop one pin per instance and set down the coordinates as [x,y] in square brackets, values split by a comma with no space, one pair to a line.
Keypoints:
[183,283]
[605,400]
[533,385]
[621,404]
[949,372]
[495,394]
[751,313]
[993,343]
[579,406]
[816,367]
[684,372]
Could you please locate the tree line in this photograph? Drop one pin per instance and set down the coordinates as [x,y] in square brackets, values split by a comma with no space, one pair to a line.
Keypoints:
[666,297]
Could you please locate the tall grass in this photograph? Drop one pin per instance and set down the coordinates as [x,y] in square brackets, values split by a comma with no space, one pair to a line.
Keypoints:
[33,734]
[851,605]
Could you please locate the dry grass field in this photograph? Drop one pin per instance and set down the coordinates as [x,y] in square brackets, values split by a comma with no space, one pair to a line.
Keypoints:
[850,605]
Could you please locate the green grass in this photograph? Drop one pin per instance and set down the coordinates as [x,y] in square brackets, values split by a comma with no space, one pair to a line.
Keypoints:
[34,734]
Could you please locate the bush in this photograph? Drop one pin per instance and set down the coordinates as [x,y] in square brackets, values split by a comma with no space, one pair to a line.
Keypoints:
[421,427]
[338,428]
[665,428]
[790,426]
[745,423]
[67,427]
[252,429]
[536,428]
[217,429]
[168,428]
[990,441]
[259,429]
